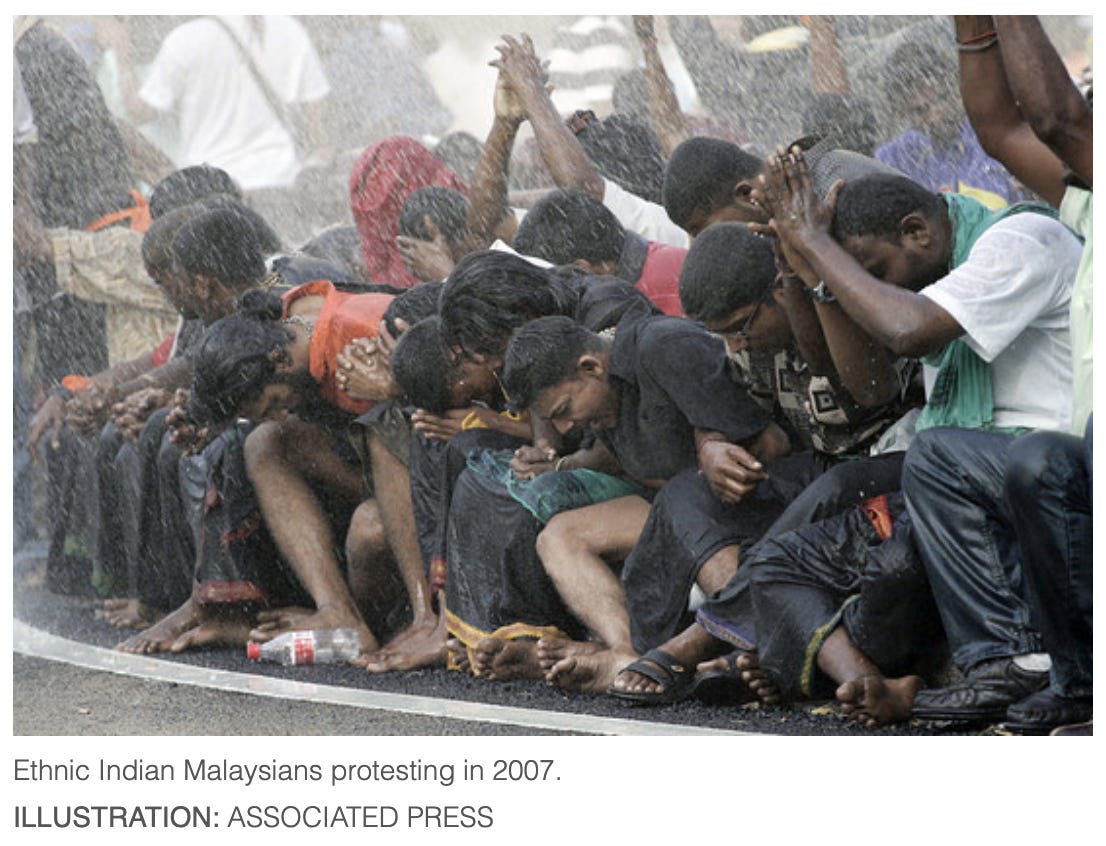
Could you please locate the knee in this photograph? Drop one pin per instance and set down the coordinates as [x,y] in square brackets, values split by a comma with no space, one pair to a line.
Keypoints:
[1030,458]
[108,442]
[366,530]
[921,459]
[560,536]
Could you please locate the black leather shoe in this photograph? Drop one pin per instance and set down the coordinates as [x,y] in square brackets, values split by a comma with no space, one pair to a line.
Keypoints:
[984,694]
[1045,710]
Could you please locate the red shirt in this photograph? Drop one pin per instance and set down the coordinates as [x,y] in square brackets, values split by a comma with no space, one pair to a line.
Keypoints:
[344,318]
[660,277]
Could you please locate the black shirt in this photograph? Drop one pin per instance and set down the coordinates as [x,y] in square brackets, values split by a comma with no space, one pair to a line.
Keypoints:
[672,377]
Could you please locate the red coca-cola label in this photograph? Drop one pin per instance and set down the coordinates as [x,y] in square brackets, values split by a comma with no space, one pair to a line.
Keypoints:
[303,649]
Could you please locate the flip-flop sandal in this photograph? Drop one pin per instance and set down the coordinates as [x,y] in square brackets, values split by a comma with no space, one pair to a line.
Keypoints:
[660,667]
[722,687]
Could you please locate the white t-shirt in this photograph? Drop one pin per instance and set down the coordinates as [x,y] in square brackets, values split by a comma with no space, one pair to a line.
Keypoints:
[647,219]
[224,117]
[1012,297]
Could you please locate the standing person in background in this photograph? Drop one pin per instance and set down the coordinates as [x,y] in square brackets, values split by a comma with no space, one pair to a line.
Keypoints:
[940,150]
[241,88]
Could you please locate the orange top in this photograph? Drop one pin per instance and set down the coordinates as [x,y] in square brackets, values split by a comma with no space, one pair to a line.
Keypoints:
[344,318]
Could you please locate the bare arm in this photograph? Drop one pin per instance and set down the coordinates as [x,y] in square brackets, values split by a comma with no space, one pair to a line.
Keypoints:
[995,116]
[488,202]
[664,109]
[904,322]
[567,162]
[1049,99]
[827,65]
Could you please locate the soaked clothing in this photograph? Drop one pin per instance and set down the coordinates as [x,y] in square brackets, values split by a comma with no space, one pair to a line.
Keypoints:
[819,409]
[654,268]
[344,318]
[858,570]
[496,582]
[660,407]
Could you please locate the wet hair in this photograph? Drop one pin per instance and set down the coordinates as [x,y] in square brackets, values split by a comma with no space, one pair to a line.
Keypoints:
[568,224]
[413,305]
[490,293]
[544,353]
[727,268]
[189,184]
[626,151]
[229,243]
[701,174]
[876,204]
[157,242]
[845,121]
[340,245]
[423,367]
[237,357]
[447,208]
[460,152]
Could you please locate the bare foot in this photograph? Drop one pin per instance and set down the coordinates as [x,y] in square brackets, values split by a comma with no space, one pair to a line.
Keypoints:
[297,619]
[457,656]
[757,680]
[161,636]
[128,613]
[554,649]
[422,644]
[592,672]
[873,700]
[229,630]
[503,660]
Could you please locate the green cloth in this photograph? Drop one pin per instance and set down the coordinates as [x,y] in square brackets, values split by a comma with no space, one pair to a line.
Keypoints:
[549,494]
[962,394]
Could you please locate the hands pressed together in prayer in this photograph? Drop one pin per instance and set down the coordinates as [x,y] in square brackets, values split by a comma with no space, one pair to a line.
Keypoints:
[797,215]
[364,367]
[531,461]
[522,75]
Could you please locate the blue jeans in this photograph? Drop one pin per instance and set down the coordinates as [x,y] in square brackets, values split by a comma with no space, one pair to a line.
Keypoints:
[1048,494]
[954,481]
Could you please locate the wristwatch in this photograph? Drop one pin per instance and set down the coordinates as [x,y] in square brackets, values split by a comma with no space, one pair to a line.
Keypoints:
[821,294]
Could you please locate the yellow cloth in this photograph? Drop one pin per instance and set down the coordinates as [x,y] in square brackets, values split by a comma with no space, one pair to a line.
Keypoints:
[106,267]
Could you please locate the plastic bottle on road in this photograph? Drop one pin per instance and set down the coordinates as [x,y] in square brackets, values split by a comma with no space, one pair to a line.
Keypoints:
[324,646]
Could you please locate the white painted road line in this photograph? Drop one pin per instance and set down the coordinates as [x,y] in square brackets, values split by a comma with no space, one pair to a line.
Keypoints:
[28,640]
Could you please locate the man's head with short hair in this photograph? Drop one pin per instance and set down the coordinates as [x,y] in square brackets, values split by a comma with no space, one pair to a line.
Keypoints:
[161,262]
[491,293]
[413,305]
[223,250]
[898,230]
[559,370]
[568,226]
[726,284]
[424,368]
[728,267]
[708,180]
[446,208]
[189,185]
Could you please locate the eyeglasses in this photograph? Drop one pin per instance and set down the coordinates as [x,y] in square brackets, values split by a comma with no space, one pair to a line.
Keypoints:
[743,332]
